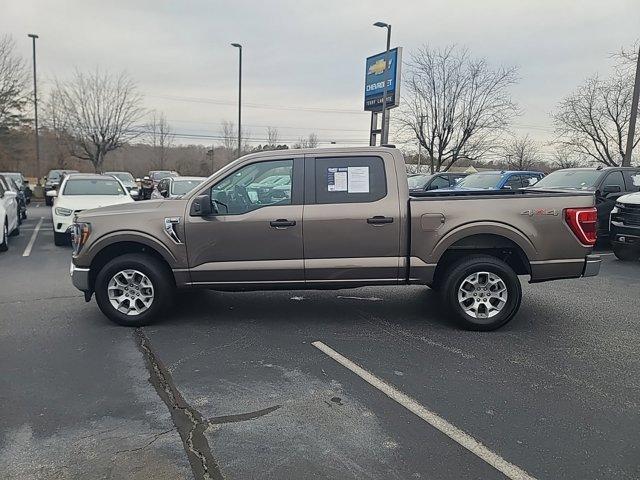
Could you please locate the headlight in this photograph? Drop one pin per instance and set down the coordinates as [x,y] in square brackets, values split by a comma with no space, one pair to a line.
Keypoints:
[80,232]
[65,212]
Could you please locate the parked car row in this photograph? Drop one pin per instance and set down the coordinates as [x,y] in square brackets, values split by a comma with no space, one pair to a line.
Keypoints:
[11,213]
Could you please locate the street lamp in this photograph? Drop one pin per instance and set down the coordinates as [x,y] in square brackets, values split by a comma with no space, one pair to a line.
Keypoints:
[33,37]
[239,47]
[385,120]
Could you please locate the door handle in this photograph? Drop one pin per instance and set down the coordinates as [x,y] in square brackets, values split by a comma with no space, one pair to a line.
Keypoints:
[282,223]
[379,220]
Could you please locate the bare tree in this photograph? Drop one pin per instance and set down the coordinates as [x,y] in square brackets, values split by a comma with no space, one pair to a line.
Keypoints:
[273,137]
[522,153]
[593,121]
[310,142]
[456,106]
[100,112]
[565,158]
[160,136]
[13,85]
[54,122]
[229,135]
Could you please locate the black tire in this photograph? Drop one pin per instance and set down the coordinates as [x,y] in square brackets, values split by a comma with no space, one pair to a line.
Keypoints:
[158,274]
[4,237]
[626,254]
[16,232]
[462,269]
[61,239]
[19,216]
[48,201]
[24,214]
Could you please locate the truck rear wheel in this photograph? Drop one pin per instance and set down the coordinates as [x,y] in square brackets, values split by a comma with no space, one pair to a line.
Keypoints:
[481,292]
[133,289]
[626,254]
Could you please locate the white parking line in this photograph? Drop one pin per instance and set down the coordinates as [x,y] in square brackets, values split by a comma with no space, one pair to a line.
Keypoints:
[496,461]
[27,251]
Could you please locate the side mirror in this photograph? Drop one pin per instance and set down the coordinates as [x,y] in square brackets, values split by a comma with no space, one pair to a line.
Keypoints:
[25,181]
[138,180]
[608,189]
[52,193]
[134,193]
[507,187]
[201,206]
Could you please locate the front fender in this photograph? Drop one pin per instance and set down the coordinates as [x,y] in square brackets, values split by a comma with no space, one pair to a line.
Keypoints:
[128,236]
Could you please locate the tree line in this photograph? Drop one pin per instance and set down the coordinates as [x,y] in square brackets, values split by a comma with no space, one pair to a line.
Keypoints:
[458,108]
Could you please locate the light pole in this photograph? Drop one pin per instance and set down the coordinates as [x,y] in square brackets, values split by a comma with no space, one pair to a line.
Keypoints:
[384,134]
[626,162]
[33,37]
[239,47]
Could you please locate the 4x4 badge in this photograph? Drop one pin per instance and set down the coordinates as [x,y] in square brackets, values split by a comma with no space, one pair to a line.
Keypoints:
[540,211]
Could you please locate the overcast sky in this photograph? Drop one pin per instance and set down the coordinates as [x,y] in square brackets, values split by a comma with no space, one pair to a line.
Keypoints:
[304,60]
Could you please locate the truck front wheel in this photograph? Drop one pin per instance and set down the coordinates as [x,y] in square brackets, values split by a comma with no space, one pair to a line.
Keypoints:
[481,292]
[133,289]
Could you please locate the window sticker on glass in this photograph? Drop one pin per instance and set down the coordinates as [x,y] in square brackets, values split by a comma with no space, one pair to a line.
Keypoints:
[358,180]
[337,179]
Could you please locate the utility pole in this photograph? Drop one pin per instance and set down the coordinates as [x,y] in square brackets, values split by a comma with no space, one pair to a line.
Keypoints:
[626,162]
[239,47]
[384,128]
[33,37]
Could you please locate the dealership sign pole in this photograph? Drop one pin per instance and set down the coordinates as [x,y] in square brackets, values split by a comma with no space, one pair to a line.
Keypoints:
[382,90]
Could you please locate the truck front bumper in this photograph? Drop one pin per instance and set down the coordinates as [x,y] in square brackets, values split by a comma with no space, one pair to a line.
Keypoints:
[591,266]
[80,278]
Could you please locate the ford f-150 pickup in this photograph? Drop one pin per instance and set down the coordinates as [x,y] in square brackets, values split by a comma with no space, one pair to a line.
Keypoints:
[343,219]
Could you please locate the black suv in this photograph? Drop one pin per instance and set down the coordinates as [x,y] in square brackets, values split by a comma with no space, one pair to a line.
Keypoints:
[607,183]
[53,180]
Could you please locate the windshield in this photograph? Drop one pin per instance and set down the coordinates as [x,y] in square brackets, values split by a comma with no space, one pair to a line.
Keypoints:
[481,180]
[180,187]
[161,175]
[123,176]
[16,177]
[93,187]
[571,179]
[418,181]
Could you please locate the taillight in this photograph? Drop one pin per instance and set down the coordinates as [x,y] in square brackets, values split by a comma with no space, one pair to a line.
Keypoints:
[583,222]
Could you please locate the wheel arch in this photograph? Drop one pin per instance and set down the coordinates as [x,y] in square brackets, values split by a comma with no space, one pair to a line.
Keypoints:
[122,247]
[502,242]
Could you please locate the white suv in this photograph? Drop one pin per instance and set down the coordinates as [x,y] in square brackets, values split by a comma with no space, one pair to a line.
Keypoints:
[8,216]
[79,192]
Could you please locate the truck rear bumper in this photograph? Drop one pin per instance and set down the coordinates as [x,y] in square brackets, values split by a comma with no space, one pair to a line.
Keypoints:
[592,266]
[546,270]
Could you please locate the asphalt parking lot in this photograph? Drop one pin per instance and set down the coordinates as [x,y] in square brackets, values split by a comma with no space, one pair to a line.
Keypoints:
[245,385]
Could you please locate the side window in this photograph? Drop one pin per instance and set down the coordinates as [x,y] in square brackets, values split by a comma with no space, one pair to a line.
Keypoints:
[455,179]
[350,180]
[439,182]
[614,178]
[632,179]
[514,182]
[1,188]
[254,186]
[530,180]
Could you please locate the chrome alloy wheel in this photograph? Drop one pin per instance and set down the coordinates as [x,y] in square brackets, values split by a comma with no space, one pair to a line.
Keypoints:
[482,295]
[130,292]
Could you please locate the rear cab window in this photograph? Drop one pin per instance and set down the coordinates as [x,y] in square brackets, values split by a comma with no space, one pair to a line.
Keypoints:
[349,180]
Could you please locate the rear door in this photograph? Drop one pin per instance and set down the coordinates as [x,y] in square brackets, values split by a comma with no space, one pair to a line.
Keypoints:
[256,236]
[351,219]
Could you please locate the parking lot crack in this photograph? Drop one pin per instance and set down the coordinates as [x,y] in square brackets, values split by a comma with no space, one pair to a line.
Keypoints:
[242,417]
[188,421]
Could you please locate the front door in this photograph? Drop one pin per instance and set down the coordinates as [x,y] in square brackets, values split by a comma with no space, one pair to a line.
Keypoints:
[351,220]
[256,235]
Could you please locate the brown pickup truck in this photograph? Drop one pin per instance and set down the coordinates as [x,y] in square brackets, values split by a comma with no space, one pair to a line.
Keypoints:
[332,219]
